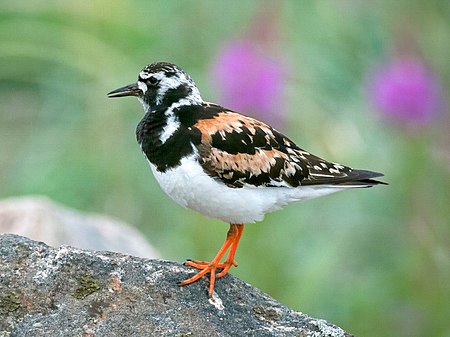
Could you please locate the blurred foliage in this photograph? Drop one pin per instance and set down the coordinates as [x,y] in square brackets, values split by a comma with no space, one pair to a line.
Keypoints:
[376,262]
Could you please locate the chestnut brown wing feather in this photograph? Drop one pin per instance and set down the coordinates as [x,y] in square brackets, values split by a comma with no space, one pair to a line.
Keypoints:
[240,150]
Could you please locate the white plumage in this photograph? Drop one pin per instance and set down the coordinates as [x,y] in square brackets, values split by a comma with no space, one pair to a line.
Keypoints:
[189,186]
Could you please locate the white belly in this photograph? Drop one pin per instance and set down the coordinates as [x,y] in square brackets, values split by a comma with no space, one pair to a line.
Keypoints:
[191,187]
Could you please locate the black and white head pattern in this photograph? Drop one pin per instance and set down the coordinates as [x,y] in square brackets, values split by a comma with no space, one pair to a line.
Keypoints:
[164,84]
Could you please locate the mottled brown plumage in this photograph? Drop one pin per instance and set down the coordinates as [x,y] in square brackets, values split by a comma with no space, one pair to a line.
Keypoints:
[241,150]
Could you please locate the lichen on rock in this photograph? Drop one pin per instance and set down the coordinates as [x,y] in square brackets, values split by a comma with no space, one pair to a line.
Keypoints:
[67,291]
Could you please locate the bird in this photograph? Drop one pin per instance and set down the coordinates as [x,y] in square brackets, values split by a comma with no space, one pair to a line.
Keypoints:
[222,163]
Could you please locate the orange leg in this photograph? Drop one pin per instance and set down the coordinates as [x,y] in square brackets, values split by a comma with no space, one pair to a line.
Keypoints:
[233,236]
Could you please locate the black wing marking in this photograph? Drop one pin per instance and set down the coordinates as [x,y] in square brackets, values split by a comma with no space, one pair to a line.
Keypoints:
[240,151]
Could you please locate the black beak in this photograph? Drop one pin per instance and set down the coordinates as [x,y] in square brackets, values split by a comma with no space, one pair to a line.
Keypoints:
[128,90]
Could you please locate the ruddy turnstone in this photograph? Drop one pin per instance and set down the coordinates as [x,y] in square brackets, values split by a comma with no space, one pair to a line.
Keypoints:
[223,164]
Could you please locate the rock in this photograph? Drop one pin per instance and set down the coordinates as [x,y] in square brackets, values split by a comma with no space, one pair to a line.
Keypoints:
[67,291]
[42,219]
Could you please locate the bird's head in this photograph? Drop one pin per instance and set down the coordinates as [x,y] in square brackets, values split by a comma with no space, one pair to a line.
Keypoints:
[160,85]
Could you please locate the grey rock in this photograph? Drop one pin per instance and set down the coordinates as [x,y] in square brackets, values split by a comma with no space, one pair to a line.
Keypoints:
[67,291]
[42,219]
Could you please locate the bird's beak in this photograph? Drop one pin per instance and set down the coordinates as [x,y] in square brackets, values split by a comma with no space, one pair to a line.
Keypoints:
[128,90]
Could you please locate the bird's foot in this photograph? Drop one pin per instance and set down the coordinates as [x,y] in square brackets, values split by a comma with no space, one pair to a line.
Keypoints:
[208,267]
[203,265]
[232,241]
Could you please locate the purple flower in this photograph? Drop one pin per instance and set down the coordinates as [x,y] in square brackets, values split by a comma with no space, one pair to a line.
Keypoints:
[249,81]
[406,91]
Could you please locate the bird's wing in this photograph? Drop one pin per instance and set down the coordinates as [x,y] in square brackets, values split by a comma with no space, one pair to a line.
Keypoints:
[240,150]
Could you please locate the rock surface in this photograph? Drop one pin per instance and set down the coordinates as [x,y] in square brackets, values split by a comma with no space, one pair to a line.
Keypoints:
[67,291]
[42,219]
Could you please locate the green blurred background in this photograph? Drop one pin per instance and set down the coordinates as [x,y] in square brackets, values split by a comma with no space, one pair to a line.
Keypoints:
[375,262]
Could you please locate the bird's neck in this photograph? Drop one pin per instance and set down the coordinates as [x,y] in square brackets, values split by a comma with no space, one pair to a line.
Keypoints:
[161,136]
[160,133]
[163,119]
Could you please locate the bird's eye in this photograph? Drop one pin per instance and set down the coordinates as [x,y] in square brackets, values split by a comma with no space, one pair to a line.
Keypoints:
[153,80]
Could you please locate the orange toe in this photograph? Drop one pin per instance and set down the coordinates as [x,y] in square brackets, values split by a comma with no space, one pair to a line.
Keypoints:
[233,237]
[204,264]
